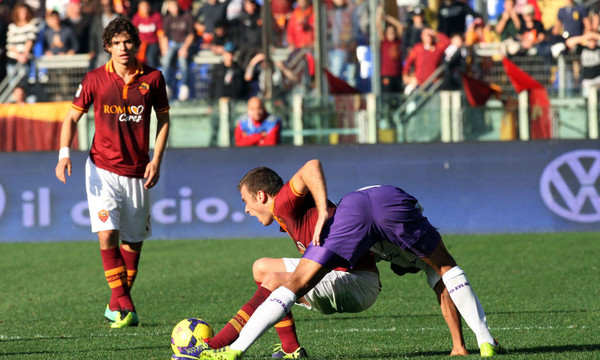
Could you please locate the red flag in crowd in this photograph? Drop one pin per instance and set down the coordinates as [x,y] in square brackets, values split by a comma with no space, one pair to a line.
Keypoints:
[338,86]
[478,92]
[539,103]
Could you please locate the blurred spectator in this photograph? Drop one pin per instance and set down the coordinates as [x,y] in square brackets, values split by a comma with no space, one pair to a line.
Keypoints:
[249,32]
[221,37]
[80,24]
[4,21]
[572,20]
[58,39]
[425,57]
[255,76]
[520,4]
[38,7]
[150,27]
[211,12]
[412,32]
[452,17]
[234,10]
[296,70]
[257,127]
[281,10]
[531,39]
[342,46]
[21,35]
[594,11]
[59,6]
[455,57]
[98,54]
[227,78]
[391,52]
[176,46]
[18,95]
[590,59]
[509,24]
[122,7]
[479,33]
[300,28]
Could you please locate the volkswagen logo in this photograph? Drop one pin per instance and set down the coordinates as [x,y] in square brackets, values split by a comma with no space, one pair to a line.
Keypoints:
[569,186]
[2,200]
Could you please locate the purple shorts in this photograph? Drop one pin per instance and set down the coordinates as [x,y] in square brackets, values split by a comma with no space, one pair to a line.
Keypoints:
[363,217]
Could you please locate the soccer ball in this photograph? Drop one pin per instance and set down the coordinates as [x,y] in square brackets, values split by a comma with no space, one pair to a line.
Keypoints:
[189,333]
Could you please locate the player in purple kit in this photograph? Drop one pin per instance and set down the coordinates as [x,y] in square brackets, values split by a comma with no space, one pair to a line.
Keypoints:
[362,219]
[119,170]
[341,290]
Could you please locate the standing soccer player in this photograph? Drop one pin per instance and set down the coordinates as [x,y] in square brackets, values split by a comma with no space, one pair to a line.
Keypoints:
[119,171]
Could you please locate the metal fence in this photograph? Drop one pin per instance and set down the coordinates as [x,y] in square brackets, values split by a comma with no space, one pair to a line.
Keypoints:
[366,118]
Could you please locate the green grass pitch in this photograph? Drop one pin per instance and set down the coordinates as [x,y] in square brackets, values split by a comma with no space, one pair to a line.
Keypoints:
[540,292]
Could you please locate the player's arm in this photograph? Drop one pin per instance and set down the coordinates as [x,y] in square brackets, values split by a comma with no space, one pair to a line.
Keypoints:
[452,318]
[162,134]
[310,178]
[67,133]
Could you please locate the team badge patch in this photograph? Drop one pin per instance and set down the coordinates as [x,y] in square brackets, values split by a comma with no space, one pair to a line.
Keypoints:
[103,215]
[144,88]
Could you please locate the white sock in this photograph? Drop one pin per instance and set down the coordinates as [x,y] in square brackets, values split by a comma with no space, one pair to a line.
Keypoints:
[269,313]
[467,303]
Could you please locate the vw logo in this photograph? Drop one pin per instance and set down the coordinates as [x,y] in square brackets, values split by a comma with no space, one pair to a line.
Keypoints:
[569,186]
[2,200]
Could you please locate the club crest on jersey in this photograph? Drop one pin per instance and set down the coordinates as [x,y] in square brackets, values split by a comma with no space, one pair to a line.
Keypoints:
[144,88]
[103,215]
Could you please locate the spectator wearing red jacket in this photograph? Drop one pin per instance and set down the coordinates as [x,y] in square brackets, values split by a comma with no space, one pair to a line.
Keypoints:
[257,127]
[424,57]
[301,26]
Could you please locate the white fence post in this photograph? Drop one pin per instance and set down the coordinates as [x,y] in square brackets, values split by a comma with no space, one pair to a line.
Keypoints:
[592,107]
[524,115]
[456,119]
[223,137]
[371,118]
[297,120]
[445,117]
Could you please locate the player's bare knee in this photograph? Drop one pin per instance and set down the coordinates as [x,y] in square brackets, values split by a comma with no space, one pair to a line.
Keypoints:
[109,239]
[259,269]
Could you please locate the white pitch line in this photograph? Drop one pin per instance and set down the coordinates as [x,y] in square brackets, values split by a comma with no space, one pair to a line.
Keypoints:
[347,330]
[51,337]
[445,329]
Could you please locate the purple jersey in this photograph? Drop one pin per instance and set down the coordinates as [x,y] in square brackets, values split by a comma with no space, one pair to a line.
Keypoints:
[368,215]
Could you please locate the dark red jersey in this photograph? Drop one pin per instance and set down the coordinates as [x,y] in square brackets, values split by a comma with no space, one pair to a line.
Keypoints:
[297,215]
[122,116]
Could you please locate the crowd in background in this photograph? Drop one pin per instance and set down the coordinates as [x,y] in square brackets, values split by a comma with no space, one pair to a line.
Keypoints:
[416,36]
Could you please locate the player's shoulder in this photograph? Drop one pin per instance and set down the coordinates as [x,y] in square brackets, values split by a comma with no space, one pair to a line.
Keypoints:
[150,73]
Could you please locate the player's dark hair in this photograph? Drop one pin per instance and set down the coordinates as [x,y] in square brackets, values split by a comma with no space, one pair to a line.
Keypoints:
[261,178]
[116,27]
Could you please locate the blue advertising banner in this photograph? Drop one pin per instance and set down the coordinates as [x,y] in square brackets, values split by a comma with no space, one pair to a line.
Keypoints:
[537,186]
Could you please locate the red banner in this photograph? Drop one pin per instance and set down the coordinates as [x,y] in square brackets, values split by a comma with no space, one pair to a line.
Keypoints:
[539,102]
[32,127]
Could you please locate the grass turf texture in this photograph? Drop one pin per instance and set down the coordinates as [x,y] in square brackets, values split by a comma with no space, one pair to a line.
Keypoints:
[540,293]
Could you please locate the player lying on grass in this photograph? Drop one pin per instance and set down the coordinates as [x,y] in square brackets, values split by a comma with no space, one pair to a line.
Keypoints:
[341,290]
[361,219]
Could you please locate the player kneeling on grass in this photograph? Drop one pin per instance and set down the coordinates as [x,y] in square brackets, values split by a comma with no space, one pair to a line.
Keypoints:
[362,219]
[119,171]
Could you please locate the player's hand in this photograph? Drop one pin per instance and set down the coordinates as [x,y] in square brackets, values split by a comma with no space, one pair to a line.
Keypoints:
[151,175]
[63,164]
[319,227]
